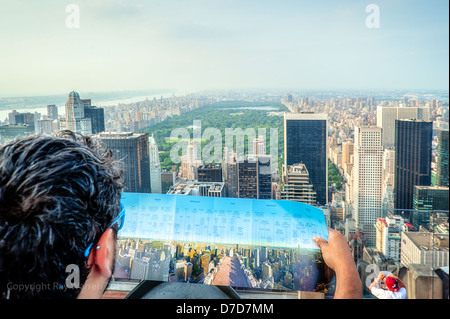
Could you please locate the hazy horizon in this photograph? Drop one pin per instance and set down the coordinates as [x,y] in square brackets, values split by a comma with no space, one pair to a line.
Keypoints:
[221,45]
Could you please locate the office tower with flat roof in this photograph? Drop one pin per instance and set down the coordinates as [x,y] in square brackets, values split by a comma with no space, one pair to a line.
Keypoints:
[229,172]
[133,150]
[388,236]
[16,118]
[424,248]
[155,167]
[412,159]
[44,126]
[305,142]
[52,112]
[209,173]
[426,200]
[167,181]
[254,177]
[442,158]
[296,185]
[367,179]
[386,116]
[97,116]
[388,180]
[259,146]
[74,111]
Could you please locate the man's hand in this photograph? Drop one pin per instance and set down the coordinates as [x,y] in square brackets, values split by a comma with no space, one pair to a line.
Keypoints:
[336,254]
[381,275]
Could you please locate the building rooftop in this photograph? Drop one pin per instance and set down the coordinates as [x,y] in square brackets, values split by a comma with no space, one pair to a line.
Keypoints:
[186,188]
[429,241]
[116,135]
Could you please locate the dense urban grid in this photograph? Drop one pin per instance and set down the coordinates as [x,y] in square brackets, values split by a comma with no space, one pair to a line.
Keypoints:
[377,164]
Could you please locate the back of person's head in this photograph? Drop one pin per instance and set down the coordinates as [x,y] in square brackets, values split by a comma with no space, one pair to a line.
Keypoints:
[57,195]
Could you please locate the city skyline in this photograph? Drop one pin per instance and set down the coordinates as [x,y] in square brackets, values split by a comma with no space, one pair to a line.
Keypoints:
[244,129]
[217,45]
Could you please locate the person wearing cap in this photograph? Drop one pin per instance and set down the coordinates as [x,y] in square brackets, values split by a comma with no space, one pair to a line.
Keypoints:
[388,287]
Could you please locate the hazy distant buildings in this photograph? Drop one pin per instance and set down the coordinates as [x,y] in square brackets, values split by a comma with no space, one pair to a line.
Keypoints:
[52,112]
[367,179]
[75,120]
[305,141]
[10,132]
[386,116]
[19,118]
[81,116]
[190,161]
[412,159]
[97,117]
[133,150]
[44,126]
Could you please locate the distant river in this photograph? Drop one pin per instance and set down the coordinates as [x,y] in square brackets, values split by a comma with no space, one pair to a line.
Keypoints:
[100,103]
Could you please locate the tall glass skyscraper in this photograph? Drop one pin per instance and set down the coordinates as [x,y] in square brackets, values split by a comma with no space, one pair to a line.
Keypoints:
[412,159]
[442,158]
[254,177]
[133,150]
[305,142]
[155,167]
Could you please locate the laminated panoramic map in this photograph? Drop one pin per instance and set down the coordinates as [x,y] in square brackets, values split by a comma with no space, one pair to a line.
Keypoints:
[249,243]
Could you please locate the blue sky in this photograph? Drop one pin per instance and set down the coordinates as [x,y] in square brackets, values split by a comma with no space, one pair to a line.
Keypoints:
[210,44]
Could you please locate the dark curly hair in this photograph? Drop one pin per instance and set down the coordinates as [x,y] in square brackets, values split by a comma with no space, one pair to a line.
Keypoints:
[58,194]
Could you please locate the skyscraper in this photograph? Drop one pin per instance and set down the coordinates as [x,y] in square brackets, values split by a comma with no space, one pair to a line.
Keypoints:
[133,150]
[442,158]
[305,142]
[386,116]
[426,199]
[367,179]
[229,172]
[347,152]
[52,112]
[254,177]
[190,162]
[97,116]
[81,116]
[209,173]
[296,185]
[155,167]
[259,146]
[412,159]
[75,120]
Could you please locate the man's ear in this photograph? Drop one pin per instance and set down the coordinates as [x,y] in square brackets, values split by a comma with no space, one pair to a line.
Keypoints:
[101,257]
